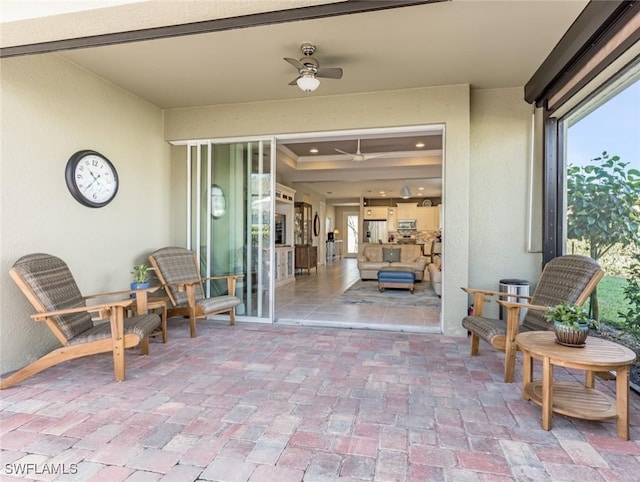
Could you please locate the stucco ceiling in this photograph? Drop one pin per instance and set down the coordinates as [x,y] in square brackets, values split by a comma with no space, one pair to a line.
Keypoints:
[486,44]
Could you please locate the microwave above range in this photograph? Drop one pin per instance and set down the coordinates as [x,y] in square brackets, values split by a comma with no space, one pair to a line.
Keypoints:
[407,224]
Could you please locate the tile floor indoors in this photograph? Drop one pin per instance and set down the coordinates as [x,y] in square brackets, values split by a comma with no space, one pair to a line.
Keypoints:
[280,403]
[312,299]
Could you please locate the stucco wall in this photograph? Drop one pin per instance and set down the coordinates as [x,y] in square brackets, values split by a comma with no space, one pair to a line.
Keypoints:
[51,109]
[449,105]
[498,191]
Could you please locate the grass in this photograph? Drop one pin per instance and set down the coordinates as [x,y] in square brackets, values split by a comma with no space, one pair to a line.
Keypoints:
[611,299]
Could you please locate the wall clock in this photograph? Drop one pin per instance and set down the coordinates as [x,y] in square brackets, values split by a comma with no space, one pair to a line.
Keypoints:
[316,225]
[91,178]
[218,202]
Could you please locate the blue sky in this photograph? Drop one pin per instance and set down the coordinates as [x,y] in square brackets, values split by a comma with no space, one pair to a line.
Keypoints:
[614,127]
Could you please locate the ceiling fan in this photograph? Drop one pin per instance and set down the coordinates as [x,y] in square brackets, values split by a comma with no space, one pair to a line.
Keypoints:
[358,156]
[309,69]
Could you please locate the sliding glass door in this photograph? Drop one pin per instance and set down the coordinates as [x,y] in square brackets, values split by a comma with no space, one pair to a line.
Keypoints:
[229,218]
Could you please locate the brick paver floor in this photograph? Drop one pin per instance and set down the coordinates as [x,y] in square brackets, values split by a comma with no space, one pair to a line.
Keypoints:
[283,403]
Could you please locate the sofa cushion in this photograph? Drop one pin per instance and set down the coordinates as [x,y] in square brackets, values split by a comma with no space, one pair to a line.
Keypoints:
[372,265]
[373,253]
[410,253]
[390,255]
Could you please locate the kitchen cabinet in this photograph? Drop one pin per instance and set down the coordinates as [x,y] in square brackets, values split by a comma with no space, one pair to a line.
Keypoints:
[428,218]
[377,213]
[285,272]
[407,211]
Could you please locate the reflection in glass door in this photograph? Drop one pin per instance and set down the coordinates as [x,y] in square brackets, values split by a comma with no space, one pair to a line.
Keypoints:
[229,218]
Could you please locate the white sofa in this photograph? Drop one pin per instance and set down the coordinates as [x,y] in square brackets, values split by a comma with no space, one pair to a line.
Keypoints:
[435,276]
[376,256]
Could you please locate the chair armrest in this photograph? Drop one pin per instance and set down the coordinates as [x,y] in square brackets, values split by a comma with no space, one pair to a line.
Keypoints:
[224,276]
[101,308]
[513,304]
[121,293]
[501,294]
[479,298]
[231,281]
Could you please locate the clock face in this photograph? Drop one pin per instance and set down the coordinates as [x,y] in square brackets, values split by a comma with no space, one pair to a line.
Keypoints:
[91,178]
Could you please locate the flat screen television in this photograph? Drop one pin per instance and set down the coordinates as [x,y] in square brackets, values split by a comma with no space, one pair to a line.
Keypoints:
[281,229]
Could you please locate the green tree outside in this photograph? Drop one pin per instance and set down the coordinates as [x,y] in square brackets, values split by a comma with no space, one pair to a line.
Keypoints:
[603,207]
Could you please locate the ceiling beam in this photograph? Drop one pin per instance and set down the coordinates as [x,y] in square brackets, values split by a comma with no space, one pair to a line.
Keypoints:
[216,25]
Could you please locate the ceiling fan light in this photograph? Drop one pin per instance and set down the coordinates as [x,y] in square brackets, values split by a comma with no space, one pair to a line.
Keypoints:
[405,192]
[308,83]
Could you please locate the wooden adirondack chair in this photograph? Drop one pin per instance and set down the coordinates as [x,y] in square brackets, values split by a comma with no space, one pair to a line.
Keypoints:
[179,273]
[48,284]
[569,278]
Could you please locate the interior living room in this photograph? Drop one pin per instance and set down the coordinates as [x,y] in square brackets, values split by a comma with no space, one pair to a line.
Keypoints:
[382,189]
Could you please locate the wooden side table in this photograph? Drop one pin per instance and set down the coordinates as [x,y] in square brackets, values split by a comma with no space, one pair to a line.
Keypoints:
[573,399]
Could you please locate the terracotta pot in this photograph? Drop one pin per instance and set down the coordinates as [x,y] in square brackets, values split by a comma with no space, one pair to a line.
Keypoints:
[567,335]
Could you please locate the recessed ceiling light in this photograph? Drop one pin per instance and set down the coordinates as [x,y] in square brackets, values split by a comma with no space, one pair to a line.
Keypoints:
[420,145]
[420,189]
[313,150]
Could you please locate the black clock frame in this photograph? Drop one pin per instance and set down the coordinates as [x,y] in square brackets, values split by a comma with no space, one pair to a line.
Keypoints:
[69,176]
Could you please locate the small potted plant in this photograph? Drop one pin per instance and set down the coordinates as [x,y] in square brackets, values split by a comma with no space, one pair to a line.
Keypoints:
[141,277]
[571,324]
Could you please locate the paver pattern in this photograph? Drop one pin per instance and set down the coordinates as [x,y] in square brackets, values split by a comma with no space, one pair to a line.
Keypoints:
[284,403]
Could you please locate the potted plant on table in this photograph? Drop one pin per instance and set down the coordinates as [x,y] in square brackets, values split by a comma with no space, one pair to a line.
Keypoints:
[141,277]
[571,324]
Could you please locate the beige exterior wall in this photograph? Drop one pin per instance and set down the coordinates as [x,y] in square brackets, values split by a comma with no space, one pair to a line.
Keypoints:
[51,109]
[498,191]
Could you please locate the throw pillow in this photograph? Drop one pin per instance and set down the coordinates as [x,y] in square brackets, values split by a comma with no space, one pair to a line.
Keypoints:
[390,255]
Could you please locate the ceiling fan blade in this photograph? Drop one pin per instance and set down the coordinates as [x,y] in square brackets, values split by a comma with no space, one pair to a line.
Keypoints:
[294,81]
[330,73]
[295,63]
[343,152]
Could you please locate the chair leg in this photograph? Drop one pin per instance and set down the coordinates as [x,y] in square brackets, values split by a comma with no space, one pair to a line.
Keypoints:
[509,361]
[475,344]
[117,336]
[67,353]
[51,359]
[144,346]
[232,316]
[192,325]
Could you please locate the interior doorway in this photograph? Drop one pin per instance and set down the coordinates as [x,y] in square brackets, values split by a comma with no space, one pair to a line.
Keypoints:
[352,223]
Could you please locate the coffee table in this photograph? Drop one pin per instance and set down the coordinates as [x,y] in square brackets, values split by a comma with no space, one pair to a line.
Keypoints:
[570,398]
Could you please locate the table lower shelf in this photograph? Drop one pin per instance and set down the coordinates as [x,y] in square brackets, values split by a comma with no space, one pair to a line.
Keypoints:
[575,400]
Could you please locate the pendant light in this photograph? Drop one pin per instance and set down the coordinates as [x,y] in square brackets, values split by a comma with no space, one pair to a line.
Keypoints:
[405,192]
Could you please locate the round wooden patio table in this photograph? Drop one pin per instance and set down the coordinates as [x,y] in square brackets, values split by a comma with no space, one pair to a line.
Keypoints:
[570,398]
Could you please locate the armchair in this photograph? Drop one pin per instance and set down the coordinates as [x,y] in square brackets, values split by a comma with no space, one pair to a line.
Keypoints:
[179,273]
[48,284]
[569,278]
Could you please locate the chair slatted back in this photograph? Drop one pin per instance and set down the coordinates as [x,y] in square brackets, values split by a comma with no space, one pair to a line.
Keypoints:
[177,265]
[52,287]
[569,278]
